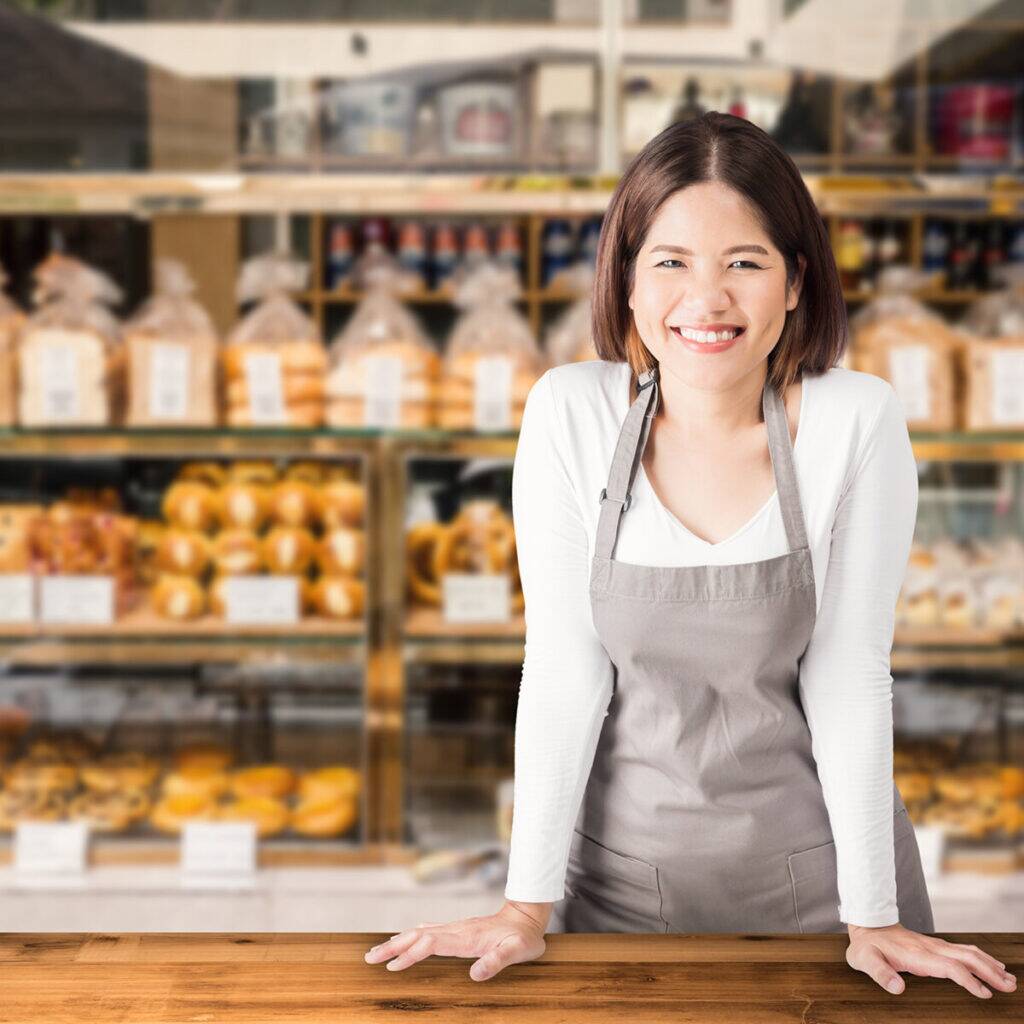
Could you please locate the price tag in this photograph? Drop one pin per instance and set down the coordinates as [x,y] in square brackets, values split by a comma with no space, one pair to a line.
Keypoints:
[49,851]
[382,396]
[266,389]
[82,600]
[261,600]
[218,853]
[908,367]
[58,371]
[168,381]
[492,393]
[476,597]
[1008,386]
[17,597]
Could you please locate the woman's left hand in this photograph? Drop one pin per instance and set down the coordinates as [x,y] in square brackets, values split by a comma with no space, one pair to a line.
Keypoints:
[882,952]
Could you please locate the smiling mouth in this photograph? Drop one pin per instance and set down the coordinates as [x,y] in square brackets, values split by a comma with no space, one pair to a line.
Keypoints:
[707,337]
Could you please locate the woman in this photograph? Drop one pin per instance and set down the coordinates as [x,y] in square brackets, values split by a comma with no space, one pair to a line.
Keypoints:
[718,728]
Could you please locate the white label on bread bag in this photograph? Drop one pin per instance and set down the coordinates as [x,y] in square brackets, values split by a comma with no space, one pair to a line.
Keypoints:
[908,367]
[492,393]
[217,853]
[50,847]
[382,395]
[261,600]
[168,381]
[476,597]
[265,387]
[58,372]
[17,597]
[1008,386]
[77,600]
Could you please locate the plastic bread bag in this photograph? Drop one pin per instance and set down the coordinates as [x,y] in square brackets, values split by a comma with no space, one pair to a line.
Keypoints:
[384,369]
[570,339]
[917,604]
[11,320]
[274,359]
[993,356]
[70,356]
[896,337]
[171,347]
[999,314]
[491,360]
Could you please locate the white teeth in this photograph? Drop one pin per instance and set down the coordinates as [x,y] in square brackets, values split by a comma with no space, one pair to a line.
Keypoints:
[706,337]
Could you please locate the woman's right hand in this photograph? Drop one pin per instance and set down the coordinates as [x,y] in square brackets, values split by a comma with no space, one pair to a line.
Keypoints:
[511,936]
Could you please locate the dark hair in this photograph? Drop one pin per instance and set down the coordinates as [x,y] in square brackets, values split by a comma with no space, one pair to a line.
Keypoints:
[722,147]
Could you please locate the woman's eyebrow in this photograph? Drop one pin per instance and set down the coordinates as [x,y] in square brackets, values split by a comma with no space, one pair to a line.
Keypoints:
[725,252]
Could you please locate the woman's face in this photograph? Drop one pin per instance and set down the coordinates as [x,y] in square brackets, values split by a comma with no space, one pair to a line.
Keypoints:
[707,265]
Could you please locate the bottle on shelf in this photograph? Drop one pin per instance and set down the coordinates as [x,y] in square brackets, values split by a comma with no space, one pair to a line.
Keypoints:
[445,254]
[340,255]
[412,250]
[958,272]
[935,251]
[508,248]
[556,249]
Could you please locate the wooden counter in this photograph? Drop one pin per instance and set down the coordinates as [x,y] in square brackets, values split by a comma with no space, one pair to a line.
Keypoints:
[148,977]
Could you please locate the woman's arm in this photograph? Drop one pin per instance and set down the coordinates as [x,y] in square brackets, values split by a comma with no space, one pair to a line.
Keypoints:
[845,678]
[567,676]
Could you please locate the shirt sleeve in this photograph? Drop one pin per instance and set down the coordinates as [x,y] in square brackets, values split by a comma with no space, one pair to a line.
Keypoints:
[566,683]
[845,677]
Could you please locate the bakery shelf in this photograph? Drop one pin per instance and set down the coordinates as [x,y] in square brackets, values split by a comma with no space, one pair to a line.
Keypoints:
[155,192]
[108,851]
[184,443]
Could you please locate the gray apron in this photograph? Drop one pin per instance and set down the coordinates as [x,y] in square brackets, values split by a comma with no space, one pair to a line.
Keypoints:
[703,811]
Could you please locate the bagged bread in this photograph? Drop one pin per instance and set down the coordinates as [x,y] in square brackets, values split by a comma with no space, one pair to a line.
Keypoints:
[897,337]
[384,370]
[70,355]
[171,347]
[11,319]
[570,339]
[993,356]
[492,359]
[274,360]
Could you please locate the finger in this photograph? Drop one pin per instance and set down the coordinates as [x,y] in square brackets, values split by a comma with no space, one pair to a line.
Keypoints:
[875,965]
[496,959]
[956,971]
[998,965]
[419,950]
[982,965]
[396,944]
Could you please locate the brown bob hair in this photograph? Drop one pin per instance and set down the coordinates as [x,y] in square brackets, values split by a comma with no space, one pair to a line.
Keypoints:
[722,147]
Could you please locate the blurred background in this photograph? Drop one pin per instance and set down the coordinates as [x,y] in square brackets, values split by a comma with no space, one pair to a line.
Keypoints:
[277,280]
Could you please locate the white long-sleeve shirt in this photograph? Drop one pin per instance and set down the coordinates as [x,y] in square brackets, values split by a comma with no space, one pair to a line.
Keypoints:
[857,478]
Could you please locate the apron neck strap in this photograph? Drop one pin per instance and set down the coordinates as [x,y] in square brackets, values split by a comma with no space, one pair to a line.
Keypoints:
[616,497]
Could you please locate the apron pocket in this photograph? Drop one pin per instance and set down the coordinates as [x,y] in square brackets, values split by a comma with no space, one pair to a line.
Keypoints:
[814,877]
[626,888]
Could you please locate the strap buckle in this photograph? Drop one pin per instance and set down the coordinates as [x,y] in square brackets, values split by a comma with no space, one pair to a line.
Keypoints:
[625,501]
[646,378]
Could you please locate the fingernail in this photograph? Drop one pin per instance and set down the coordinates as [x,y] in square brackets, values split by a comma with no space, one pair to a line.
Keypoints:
[894,986]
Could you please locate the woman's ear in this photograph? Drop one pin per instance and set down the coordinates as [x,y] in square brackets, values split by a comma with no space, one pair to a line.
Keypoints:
[793,290]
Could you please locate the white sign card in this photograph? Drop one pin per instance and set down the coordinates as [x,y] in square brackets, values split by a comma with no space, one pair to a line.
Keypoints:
[266,388]
[76,600]
[58,370]
[261,600]
[1008,386]
[908,365]
[476,597]
[50,851]
[17,597]
[382,397]
[168,381]
[218,853]
[492,393]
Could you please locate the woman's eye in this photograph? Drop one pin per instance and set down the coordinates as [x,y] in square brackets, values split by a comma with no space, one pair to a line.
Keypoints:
[750,263]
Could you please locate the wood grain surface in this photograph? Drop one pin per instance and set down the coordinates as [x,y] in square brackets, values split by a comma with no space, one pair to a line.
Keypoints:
[148,977]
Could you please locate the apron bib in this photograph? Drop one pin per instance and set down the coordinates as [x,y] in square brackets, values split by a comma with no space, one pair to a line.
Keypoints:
[703,811]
